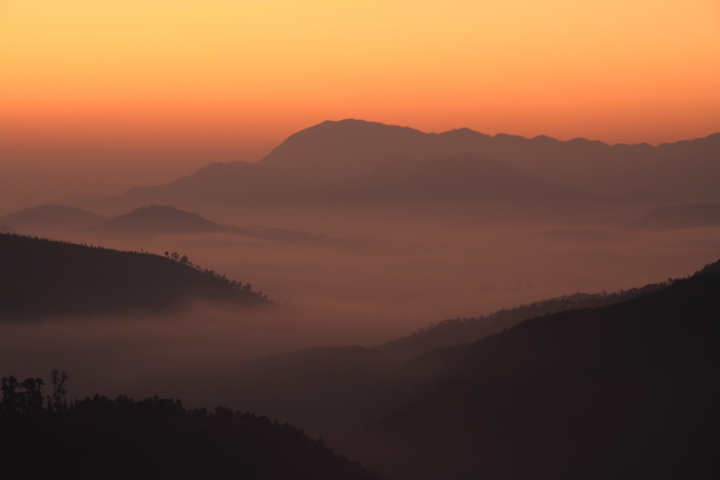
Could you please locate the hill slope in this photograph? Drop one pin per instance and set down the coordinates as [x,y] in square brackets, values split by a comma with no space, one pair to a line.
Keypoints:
[457,331]
[43,277]
[101,438]
[623,391]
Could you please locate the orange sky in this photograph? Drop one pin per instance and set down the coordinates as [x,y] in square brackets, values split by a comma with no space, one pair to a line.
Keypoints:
[251,72]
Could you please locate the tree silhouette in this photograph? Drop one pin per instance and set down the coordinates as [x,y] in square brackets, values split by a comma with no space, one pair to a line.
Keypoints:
[56,401]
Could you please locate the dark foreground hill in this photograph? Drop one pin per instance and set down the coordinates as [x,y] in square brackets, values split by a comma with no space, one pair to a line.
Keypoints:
[100,438]
[628,391]
[42,277]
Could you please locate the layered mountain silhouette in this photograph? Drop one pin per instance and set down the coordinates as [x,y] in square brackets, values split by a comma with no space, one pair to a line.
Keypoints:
[43,277]
[346,150]
[52,217]
[627,390]
[7,229]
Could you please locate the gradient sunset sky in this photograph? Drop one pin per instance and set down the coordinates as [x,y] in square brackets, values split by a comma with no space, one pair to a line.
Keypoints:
[252,72]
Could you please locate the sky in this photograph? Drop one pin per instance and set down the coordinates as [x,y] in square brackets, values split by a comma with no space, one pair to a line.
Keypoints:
[234,78]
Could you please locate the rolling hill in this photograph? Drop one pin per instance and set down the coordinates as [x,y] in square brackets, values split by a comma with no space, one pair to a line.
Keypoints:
[167,220]
[156,219]
[43,277]
[51,217]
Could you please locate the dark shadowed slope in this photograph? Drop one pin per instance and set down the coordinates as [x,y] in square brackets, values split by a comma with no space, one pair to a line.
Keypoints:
[466,330]
[624,391]
[51,216]
[42,277]
[339,151]
[678,217]
[156,438]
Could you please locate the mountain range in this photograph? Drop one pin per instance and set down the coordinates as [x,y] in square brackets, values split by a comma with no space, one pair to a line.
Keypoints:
[328,155]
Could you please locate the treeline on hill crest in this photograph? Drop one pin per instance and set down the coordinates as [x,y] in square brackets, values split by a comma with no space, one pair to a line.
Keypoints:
[156,438]
[45,277]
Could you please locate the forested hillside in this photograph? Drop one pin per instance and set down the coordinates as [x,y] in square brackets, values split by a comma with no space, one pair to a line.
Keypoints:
[156,438]
[623,391]
[466,330]
[43,277]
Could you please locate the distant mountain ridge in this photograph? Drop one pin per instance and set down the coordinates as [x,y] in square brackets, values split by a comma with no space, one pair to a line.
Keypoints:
[160,219]
[52,216]
[346,150]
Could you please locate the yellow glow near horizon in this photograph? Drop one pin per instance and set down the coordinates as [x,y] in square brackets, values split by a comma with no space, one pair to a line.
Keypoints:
[630,70]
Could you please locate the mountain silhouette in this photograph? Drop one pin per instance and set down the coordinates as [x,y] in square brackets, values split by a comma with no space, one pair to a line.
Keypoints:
[51,216]
[43,277]
[678,217]
[160,219]
[341,151]
[156,220]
